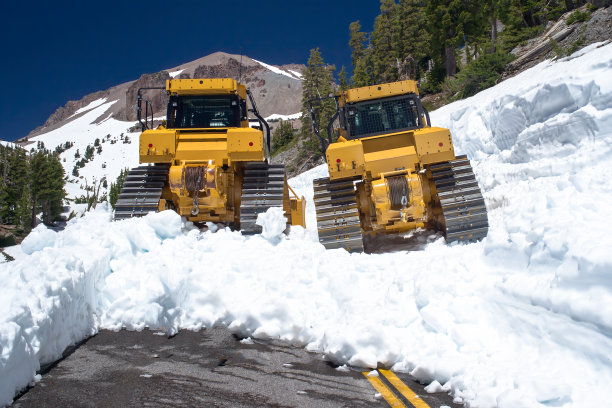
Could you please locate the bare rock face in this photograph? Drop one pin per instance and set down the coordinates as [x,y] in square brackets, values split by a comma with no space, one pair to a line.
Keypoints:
[601,3]
[229,69]
[158,98]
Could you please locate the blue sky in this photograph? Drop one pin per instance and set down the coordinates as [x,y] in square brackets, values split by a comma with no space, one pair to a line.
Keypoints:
[62,50]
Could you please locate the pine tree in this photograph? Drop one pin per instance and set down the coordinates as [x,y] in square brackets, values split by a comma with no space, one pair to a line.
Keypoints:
[453,23]
[412,38]
[115,188]
[384,46]
[14,187]
[357,42]
[282,136]
[47,186]
[317,82]
[364,72]
[361,56]
[343,79]
[89,153]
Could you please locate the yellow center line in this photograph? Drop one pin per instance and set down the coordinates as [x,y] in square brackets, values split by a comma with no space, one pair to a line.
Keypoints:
[404,389]
[384,391]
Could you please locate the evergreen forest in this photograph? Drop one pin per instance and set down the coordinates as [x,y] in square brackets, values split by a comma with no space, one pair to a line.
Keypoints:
[31,183]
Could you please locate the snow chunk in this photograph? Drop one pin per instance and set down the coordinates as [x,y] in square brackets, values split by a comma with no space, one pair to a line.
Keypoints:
[434,386]
[344,368]
[273,223]
[40,238]
[166,224]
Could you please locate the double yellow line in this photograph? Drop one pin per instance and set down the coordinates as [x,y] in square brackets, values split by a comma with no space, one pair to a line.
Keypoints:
[389,396]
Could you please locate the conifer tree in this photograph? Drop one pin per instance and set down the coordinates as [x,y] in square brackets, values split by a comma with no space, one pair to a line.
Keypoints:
[47,186]
[317,85]
[452,23]
[384,44]
[357,42]
[343,79]
[115,188]
[364,72]
[412,38]
[14,187]
[282,136]
[361,56]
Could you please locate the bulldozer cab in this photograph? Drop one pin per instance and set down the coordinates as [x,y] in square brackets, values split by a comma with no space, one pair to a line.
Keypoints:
[373,111]
[205,111]
[213,104]
[376,117]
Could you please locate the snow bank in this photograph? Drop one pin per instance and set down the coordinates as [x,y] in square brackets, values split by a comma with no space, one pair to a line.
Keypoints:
[521,319]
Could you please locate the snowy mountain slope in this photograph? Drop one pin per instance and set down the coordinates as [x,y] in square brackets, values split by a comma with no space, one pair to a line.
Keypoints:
[521,319]
[115,155]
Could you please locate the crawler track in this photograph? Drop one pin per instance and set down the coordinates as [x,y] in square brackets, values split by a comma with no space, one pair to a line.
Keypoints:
[141,192]
[263,186]
[462,203]
[337,214]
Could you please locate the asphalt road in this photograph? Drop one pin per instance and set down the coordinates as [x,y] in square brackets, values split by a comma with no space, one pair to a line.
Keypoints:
[210,368]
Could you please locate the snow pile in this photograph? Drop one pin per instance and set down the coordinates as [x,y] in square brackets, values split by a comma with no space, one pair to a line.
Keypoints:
[38,239]
[521,319]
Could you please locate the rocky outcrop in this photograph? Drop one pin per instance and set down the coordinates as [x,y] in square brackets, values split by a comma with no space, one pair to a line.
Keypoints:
[158,98]
[600,3]
[230,69]
[561,39]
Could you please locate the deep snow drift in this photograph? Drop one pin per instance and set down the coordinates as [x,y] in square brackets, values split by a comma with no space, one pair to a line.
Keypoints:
[521,319]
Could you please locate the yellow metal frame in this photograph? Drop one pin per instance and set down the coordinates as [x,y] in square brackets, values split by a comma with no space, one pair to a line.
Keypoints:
[373,159]
[221,151]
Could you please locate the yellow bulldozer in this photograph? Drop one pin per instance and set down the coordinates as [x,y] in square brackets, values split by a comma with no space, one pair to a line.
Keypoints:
[204,161]
[391,172]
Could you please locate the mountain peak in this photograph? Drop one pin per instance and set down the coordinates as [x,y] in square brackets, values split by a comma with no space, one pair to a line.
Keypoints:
[277,90]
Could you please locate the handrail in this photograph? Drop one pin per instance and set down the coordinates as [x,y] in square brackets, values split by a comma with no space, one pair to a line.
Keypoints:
[262,122]
[144,126]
